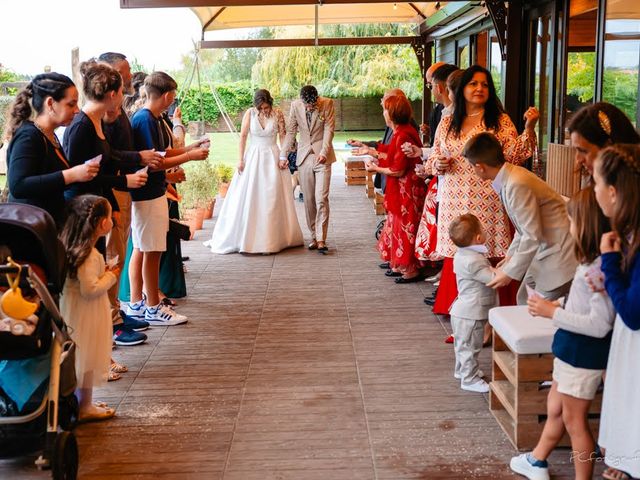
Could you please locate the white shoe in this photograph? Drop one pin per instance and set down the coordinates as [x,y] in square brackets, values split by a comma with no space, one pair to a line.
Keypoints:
[135,310]
[161,315]
[434,278]
[178,316]
[480,386]
[521,465]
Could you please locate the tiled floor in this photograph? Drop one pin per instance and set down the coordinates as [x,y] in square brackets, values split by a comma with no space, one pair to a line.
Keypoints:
[296,366]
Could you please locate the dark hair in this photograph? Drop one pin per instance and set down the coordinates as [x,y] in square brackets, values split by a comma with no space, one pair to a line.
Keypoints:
[492,109]
[590,224]
[463,228]
[309,94]
[619,166]
[453,80]
[112,57]
[603,124]
[98,79]
[399,109]
[484,148]
[262,96]
[157,84]
[54,85]
[130,101]
[442,72]
[79,233]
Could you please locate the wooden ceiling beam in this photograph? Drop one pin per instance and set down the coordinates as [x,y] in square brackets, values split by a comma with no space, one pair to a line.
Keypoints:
[306,42]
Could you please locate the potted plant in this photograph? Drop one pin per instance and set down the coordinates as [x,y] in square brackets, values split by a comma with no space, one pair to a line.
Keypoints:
[225,174]
[197,192]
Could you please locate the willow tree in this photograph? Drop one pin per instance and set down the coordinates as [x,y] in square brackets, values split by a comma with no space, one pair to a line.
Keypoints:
[344,71]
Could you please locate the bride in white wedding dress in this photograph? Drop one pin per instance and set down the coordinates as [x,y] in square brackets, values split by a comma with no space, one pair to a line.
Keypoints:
[258,214]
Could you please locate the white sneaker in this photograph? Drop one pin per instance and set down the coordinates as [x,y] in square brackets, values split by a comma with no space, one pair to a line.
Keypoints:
[135,310]
[160,315]
[178,316]
[479,386]
[521,465]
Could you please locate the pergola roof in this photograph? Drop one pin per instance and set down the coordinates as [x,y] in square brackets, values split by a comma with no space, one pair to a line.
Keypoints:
[230,14]
[287,15]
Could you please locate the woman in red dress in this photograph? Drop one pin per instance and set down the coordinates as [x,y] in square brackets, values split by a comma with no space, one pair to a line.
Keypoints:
[404,194]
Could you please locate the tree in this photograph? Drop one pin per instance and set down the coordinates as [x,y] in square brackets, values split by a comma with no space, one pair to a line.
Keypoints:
[345,71]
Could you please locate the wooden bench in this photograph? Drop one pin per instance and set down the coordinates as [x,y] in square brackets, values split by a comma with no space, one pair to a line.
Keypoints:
[522,361]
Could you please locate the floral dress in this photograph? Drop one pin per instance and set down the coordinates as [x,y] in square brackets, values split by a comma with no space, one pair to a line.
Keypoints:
[403,201]
[461,191]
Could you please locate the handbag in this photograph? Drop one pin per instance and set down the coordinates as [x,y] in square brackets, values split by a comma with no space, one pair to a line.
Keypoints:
[179,229]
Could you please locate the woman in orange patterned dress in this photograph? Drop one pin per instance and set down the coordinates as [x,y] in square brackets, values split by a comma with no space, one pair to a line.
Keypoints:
[477,109]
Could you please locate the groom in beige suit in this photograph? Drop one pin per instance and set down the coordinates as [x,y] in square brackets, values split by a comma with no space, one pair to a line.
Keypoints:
[314,118]
[541,253]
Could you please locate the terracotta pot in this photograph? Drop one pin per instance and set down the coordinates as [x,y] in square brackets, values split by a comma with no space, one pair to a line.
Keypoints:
[191,218]
[200,211]
[222,189]
[208,214]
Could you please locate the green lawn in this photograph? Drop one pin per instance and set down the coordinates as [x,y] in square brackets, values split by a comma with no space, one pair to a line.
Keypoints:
[224,146]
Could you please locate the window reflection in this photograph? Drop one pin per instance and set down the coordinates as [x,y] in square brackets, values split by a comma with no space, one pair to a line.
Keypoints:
[622,56]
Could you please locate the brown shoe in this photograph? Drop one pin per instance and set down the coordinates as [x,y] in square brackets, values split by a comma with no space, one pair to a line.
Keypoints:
[313,245]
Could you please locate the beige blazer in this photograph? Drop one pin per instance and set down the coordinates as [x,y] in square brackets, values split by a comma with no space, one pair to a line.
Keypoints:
[315,139]
[542,247]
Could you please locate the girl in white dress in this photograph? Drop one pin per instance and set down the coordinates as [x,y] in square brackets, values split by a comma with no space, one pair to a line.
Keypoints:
[258,214]
[84,303]
[616,175]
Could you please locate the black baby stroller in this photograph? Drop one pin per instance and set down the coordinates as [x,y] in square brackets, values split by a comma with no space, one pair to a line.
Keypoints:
[38,408]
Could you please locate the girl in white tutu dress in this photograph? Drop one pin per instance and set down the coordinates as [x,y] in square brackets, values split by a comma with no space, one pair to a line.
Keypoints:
[84,303]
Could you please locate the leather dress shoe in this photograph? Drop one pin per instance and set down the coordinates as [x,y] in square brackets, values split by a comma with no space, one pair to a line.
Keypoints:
[391,273]
[385,265]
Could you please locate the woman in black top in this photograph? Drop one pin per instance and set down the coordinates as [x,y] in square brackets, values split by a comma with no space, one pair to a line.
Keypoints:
[84,139]
[38,171]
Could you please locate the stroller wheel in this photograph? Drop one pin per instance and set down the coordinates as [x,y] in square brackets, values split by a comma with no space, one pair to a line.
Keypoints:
[68,409]
[64,461]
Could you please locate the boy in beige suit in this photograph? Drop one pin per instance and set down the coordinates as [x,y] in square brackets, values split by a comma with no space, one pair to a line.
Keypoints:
[314,118]
[470,310]
[541,253]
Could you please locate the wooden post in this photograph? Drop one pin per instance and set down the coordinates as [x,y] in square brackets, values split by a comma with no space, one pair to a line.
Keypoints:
[75,73]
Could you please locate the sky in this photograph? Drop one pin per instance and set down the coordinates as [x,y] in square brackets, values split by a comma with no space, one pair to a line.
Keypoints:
[35,33]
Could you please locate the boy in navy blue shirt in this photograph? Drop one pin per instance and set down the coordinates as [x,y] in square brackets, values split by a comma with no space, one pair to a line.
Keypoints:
[150,214]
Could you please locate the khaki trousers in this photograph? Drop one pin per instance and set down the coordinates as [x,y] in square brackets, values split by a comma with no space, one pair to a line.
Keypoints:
[315,180]
[467,344]
[117,245]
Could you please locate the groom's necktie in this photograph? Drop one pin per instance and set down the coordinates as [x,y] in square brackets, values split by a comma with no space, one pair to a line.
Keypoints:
[309,115]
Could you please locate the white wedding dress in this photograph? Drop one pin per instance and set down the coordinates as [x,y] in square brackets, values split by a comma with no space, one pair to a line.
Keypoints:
[258,214]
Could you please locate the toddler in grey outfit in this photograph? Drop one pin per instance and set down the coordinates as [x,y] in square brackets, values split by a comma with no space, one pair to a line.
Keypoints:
[470,310]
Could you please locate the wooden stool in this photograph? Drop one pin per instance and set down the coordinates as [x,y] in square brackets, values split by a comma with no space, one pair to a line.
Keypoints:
[522,360]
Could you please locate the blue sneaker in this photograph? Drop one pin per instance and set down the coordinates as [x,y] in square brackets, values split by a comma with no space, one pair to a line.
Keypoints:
[126,337]
[135,310]
[133,323]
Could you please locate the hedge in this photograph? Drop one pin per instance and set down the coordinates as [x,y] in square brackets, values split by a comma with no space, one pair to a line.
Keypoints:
[235,97]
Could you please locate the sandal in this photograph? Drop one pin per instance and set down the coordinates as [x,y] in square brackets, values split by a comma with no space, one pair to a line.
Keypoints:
[113,376]
[168,302]
[97,414]
[614,474]
[118,367]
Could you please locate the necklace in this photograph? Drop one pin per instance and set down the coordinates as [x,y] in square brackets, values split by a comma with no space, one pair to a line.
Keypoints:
[53,139]
[475,114]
